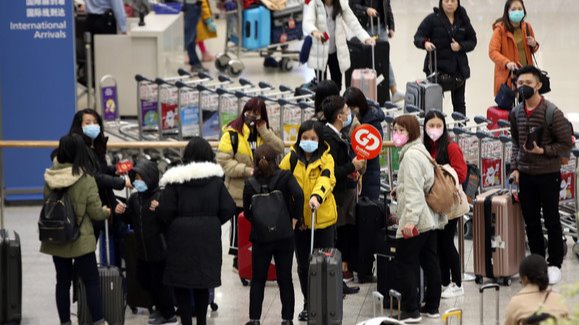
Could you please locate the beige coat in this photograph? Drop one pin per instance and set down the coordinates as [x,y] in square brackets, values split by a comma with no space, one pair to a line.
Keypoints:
[237,169]
[529,300]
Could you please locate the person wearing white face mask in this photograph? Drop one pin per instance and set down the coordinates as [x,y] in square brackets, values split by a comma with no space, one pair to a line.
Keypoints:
[512,44]
[347,169]
[312,165]
[445,151]
[416,237]
[89,124]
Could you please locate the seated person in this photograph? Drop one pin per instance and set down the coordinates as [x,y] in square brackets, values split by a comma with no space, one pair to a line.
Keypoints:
[535,297]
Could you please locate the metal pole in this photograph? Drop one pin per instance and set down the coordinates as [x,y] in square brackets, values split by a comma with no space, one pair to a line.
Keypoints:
[89,71]
[1,187]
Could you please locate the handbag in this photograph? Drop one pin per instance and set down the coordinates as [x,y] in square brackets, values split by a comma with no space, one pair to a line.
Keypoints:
[506,96]
[445,80]
[545,80]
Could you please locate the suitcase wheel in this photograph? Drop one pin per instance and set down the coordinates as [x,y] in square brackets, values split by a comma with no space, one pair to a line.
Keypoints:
[214,306]
[478,279]
[286,64]
[244,282]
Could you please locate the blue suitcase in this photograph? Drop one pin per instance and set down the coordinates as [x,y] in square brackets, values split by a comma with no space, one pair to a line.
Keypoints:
[256,28]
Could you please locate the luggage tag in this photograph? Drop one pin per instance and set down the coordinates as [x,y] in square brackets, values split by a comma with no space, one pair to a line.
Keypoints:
[124,166]
[291,23]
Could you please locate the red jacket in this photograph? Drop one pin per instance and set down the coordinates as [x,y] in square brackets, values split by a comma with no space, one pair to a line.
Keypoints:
[455,158]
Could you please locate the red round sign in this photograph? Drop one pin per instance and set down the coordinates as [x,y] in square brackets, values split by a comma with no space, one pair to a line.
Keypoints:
[366,141]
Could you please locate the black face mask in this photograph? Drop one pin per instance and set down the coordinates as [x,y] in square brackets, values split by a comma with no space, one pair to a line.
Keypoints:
[526,92]
[251,120]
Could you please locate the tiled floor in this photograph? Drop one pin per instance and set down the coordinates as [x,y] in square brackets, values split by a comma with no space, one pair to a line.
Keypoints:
[233,299]
[555,23]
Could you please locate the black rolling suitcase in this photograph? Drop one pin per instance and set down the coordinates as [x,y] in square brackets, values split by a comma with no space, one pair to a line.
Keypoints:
[112,293]
[371,216]
[387,268]
[325,296]
[10,278]
[361,57]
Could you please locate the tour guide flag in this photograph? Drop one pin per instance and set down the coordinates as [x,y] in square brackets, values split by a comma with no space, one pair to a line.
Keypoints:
[366,141]
[37,87]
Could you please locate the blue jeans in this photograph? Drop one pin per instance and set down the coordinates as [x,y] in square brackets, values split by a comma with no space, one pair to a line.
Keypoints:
[192,16]
[86,268]
[384,37]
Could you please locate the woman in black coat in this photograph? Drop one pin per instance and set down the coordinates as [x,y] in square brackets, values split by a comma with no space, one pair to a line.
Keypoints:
[194,205]
[448,31]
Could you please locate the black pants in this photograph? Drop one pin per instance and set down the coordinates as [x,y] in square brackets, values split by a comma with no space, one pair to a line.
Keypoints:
[201,296]
[458,102]
[335,71]
[283,253]
[233,243]
[448,255]
[346,242]
[150,276]
[536,192]
[412,253]
[86,268]
[100,24]
[323,238]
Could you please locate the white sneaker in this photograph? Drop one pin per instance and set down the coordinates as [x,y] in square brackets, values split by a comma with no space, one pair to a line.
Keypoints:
[554,275]
[452,291]
[398,96]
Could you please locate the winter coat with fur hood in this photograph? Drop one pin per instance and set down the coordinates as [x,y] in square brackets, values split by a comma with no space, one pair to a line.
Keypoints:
[194,205]
[84,196]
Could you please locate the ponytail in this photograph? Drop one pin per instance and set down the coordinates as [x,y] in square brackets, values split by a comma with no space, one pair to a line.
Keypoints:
[265,161]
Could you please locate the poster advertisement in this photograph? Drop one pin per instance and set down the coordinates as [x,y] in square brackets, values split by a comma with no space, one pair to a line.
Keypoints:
[292,120]
[169,117]
[109,102]
[149,113]
[491,173]
[567,186]
[209,103]
[228,109]
[189,110]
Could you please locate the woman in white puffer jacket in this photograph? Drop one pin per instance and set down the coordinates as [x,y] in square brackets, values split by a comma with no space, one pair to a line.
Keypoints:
[326,22]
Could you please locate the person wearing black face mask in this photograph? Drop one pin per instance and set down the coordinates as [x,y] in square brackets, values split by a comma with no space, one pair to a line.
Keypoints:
[535,166]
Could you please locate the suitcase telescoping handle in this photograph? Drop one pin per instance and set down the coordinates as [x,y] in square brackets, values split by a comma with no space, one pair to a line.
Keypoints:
[482,289]
[398,296]
[430,66]
[312,234]
[107,241]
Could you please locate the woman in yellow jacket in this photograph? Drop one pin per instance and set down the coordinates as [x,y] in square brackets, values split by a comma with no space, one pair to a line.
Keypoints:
[206,29]
[235,154]
[313,167]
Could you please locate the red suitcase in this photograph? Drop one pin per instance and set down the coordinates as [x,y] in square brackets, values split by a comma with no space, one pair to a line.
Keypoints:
[494,113]
[244,253]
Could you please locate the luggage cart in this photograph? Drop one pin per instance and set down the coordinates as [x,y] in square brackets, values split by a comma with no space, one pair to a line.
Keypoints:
[229,61]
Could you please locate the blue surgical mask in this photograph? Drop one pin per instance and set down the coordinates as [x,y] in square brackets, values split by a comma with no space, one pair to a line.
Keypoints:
[348,121]
[309,146]
[140,185]
[516,16]
[92,130]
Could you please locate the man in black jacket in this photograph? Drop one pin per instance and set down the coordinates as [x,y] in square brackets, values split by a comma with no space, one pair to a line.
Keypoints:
[338,116]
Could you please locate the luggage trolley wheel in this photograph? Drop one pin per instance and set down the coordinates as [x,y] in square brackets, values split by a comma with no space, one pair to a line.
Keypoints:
[286,64]
[505,282]
[244,282]
[222,61]
[478,279]
[235,68]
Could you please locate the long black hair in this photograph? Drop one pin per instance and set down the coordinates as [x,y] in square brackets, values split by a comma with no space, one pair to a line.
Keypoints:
[337,8]
[443,141]
[325,88]
[100,142]
[505,17]
[318,128]
[254,105]
[355,98]
[198,150]
[73,150]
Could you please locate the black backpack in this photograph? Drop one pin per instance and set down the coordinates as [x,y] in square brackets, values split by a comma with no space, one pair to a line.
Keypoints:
[271,219]
[57,222]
